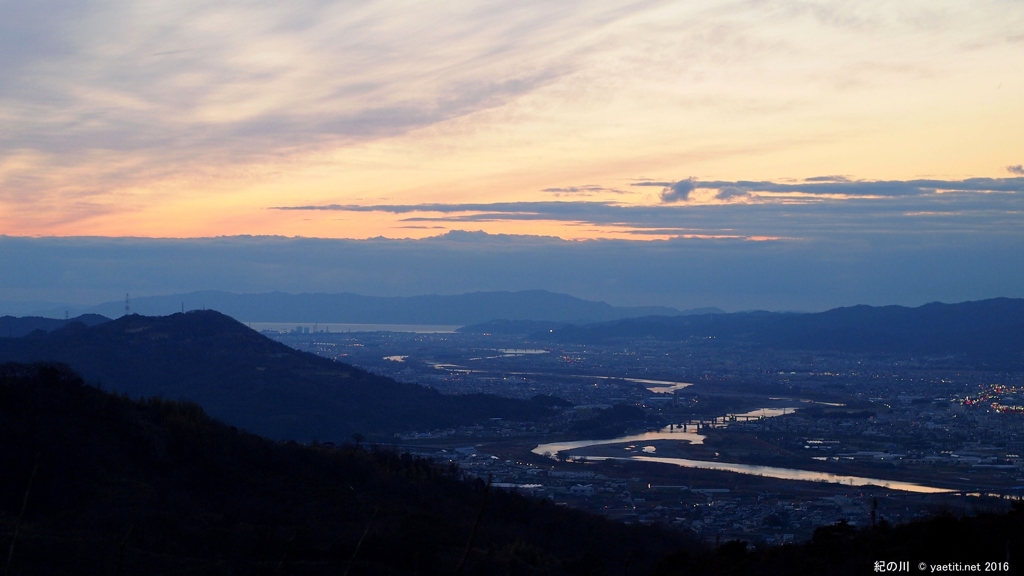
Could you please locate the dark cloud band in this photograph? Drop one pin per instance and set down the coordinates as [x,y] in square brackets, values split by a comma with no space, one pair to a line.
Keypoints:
[680,190]
[831,208]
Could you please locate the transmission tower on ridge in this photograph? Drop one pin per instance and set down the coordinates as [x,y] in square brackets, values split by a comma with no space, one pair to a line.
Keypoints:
[127,304]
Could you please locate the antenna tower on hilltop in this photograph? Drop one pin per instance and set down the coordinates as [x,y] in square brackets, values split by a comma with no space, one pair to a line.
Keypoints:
[127,304]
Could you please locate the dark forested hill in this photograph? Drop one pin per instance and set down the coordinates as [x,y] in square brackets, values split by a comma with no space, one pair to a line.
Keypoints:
[110,485]
[986,542]
[253,382]
[987,331]
[14,327]
[97,483]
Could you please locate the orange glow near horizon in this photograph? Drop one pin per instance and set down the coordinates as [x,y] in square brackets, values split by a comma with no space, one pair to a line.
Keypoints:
[200,122]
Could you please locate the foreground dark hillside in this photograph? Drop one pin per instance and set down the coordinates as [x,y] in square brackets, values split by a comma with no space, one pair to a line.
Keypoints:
[96,483]
[249,380]
[994,543]
[157,487]
[985,332]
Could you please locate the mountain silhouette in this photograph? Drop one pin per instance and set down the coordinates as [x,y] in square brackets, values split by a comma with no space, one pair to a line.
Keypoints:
[458,309]
[253,382]
[97,483]
[16,327]
[985,332]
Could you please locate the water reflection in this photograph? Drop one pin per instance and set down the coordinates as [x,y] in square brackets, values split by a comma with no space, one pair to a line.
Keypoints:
[656,386]
[672,433]
[659,386]
[338,327]
[783,473]
[689,433]
[836,404]
[762,413]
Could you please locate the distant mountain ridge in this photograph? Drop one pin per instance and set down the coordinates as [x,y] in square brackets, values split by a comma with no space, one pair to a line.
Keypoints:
[461,309]
[986,331]
[253,382]
[15,327]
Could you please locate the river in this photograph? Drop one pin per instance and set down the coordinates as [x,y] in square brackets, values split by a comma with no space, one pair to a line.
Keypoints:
[783,473]
[670,432]
[689,434]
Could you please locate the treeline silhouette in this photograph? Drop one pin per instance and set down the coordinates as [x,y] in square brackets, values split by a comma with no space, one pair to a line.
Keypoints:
[245,378]
[121,486]
[986,539]
[614,422]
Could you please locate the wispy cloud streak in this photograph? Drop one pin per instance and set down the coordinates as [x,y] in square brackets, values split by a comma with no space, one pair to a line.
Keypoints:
[189,86]
[114,113]
[826,209]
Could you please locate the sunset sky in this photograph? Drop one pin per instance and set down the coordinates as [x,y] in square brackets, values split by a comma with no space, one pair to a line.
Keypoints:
[570,119]
[788,154]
